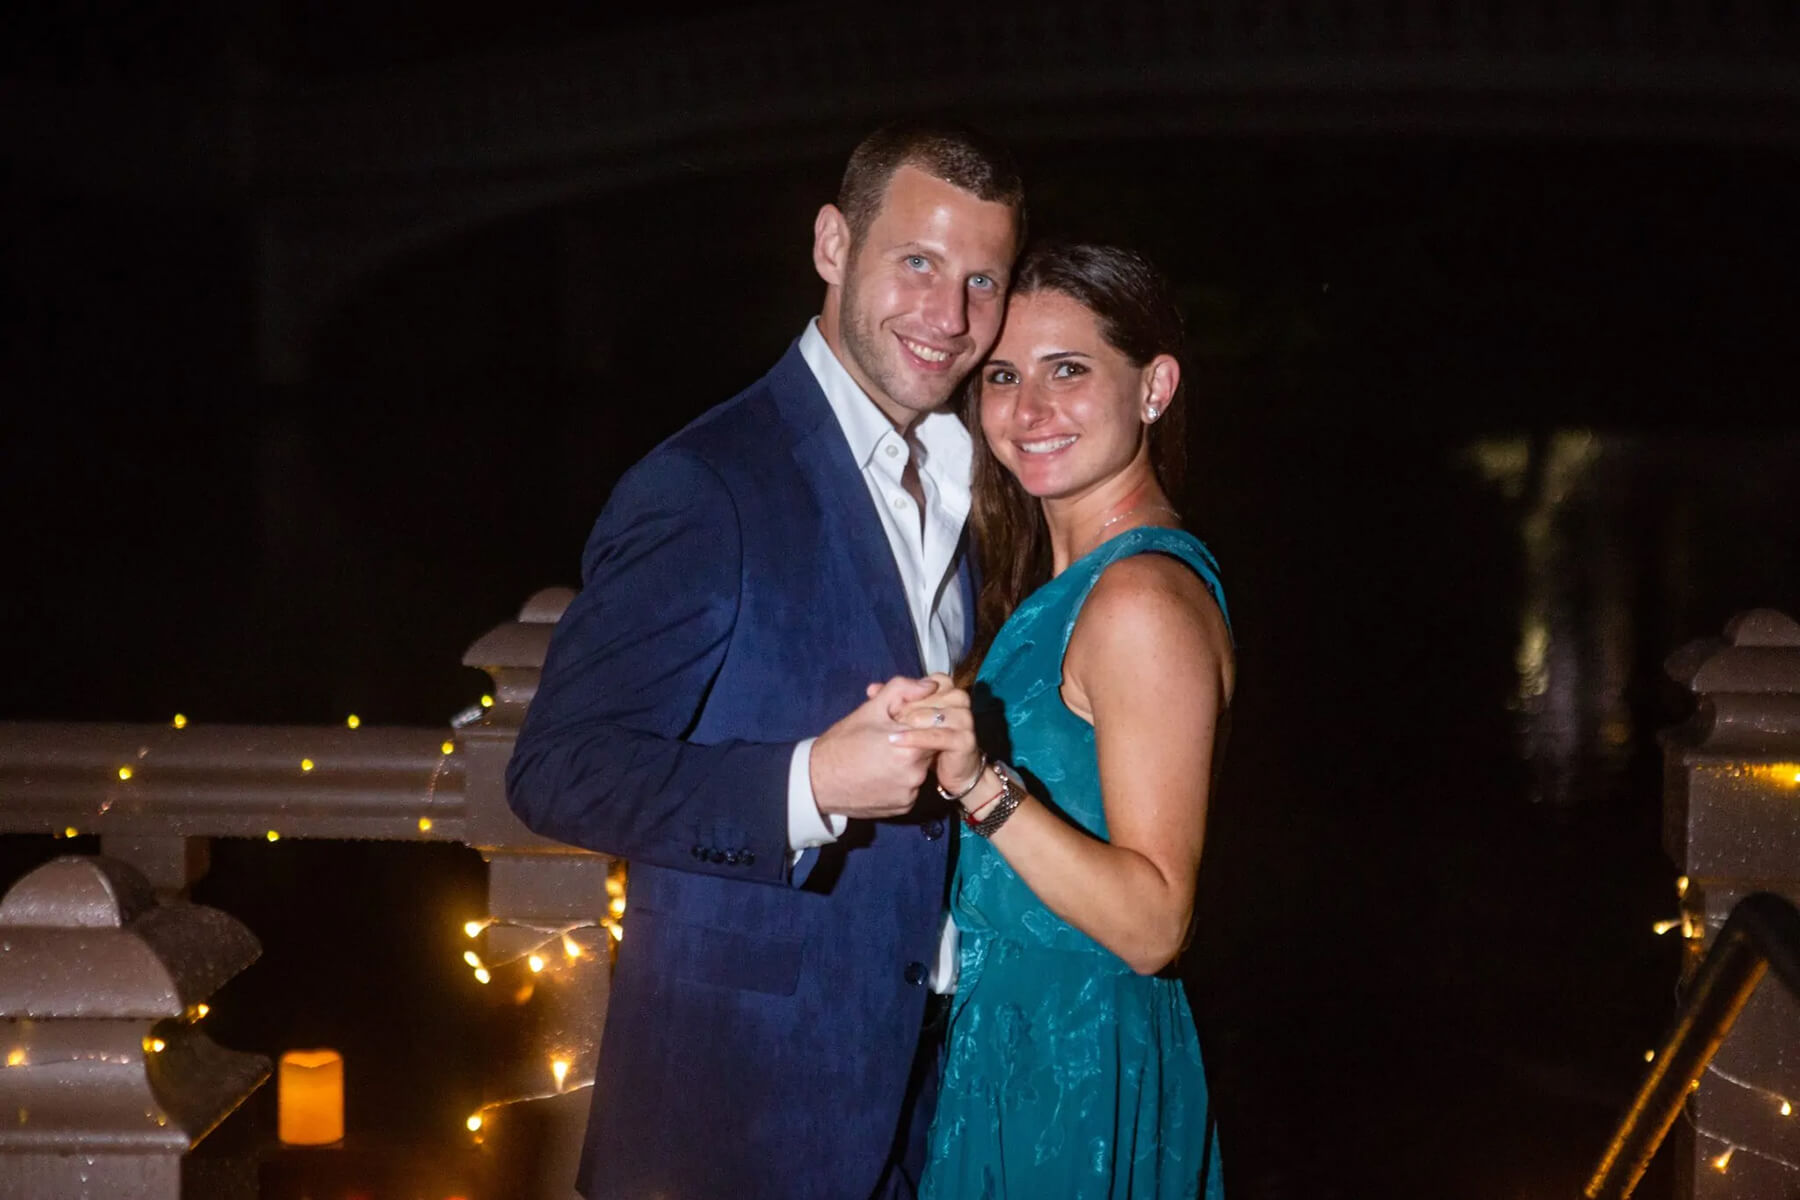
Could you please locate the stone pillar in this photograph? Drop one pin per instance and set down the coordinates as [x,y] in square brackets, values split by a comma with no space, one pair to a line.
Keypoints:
[107,1080]
[546,900]
[1732,825]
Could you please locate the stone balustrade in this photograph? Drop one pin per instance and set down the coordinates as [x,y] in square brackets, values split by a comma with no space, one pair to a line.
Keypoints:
[156,795]
[1732,825]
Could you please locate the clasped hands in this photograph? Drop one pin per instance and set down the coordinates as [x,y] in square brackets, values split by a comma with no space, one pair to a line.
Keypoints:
[873,762]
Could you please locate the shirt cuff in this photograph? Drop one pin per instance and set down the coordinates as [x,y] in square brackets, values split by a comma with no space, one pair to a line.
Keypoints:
[807,826]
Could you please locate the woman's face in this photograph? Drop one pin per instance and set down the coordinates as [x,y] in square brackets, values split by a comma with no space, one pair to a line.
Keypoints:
[1061,408]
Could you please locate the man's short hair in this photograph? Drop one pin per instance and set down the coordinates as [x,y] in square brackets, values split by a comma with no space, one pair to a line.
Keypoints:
[957,155]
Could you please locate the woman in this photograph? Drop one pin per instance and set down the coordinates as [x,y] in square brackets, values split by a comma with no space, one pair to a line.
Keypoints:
[1083,765]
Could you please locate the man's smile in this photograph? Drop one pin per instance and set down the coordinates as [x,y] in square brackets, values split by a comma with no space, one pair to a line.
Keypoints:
[929,355]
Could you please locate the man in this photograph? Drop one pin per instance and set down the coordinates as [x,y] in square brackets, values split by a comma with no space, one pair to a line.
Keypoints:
[707,712]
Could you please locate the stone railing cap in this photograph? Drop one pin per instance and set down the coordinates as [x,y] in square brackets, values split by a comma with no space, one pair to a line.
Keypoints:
[78,893]
[547,606]
[1759,654]
[1762,627]
[85,938]
[521,642]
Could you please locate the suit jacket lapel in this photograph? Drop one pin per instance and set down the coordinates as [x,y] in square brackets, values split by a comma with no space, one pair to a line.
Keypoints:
[847,514]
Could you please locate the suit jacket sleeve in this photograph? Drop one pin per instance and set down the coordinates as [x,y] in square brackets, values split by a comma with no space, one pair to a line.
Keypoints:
[603,760]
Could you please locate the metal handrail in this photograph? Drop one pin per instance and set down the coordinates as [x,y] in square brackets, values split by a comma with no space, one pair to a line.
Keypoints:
[1763,932]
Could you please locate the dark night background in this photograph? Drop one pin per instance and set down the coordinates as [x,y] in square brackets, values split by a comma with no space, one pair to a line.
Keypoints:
[1425,965]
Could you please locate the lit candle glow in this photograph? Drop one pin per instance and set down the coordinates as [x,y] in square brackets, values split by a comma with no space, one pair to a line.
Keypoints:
[311,1097]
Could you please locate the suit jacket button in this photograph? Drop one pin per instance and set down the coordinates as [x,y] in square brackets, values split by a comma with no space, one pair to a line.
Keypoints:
[748,858]
[932,829]
[915,973]
[700,852]
[733,857]
[717,856]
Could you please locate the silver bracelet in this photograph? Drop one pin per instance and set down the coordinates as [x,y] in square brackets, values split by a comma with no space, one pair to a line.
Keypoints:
[956,797]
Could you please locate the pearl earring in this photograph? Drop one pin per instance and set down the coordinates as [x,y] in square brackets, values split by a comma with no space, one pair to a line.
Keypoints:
[1151,412]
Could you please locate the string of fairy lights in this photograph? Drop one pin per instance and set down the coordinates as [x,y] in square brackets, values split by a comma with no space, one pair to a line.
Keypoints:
[1693,930]
[546,952]
[538,959]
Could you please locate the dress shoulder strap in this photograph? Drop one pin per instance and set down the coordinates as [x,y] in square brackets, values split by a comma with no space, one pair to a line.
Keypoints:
[1145,539]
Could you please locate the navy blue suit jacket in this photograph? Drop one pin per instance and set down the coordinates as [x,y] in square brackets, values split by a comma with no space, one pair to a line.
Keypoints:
[738,595]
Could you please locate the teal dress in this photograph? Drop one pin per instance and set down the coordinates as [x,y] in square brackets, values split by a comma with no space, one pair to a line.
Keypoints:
[1067,1075]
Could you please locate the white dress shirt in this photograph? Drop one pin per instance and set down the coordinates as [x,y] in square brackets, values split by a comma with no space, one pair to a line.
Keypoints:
[924,551]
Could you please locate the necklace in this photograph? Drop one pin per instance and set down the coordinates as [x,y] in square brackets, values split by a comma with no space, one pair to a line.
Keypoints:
[1140,508]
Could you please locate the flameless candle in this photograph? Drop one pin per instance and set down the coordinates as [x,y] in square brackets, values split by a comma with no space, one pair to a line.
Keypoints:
[312,1097]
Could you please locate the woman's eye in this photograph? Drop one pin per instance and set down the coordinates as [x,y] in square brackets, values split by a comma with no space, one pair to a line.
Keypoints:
[1069,370]
[1002,376]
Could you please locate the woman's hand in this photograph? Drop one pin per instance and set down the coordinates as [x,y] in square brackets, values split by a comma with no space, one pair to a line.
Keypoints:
[943,722]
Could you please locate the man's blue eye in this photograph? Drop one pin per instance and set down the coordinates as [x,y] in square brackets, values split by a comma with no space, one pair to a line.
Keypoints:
[981,281]
[916,262]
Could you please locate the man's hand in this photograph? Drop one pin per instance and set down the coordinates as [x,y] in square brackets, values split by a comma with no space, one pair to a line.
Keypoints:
[857,769]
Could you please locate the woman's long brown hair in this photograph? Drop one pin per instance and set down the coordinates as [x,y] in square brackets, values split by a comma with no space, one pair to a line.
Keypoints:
[1138,317]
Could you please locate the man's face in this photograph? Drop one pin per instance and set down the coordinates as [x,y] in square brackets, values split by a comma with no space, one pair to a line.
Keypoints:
[917,301]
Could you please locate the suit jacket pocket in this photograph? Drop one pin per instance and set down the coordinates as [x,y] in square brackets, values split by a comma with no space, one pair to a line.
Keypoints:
[729,958]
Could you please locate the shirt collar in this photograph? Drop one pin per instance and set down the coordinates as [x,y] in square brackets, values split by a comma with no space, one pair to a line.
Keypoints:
[941,433]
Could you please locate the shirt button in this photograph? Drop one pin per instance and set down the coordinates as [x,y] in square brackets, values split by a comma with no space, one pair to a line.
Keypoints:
[915,973]
[932,829]
[893,451]
[899,504]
